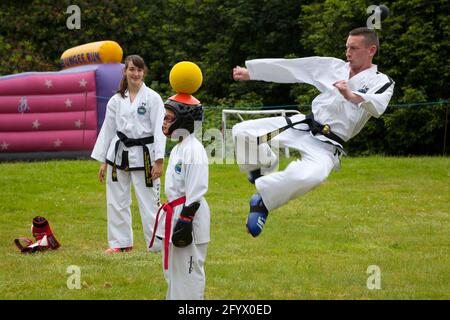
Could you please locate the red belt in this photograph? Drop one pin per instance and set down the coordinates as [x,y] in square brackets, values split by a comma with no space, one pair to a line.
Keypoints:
[168,208]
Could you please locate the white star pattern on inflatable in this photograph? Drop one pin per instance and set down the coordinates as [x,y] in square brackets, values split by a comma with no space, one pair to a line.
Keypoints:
[83,83]
[78,124]
[36,124]
[68,103]
[49,83]
[57,143]
[4,145]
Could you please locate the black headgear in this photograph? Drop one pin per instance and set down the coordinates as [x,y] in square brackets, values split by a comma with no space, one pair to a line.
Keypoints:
[186,115]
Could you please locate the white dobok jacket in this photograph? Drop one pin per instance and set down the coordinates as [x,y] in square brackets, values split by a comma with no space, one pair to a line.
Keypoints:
[187,175]
[140,119]
[345,118]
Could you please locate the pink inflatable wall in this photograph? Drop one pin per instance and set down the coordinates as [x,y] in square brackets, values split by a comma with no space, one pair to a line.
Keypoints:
[55,111]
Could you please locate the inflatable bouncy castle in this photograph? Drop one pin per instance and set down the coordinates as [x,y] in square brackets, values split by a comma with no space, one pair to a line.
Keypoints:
[59,114]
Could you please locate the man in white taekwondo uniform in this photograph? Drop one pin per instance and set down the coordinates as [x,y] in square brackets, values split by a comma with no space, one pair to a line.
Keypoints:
[350,93]
[132,143]
[186,228]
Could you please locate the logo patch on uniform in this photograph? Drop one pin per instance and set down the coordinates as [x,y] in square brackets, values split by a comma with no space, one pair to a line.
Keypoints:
[364,89]
[178,168]
[141,110]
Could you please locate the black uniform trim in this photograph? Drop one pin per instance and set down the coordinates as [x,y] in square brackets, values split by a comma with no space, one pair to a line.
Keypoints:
[385,86]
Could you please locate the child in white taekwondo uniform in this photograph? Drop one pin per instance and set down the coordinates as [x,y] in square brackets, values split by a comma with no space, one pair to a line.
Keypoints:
[350,93]
[131,148]
[186,229]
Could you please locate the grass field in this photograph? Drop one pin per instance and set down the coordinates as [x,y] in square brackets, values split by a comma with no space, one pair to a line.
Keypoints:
[390,212]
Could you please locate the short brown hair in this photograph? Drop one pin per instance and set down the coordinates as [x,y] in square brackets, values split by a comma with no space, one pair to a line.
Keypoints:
[370,36]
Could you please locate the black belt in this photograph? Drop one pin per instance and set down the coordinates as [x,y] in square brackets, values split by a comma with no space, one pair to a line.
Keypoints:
[128,142]
[314,126]
[318,128]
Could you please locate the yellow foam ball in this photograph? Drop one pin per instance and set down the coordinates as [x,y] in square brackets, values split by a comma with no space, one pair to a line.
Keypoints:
[185,77]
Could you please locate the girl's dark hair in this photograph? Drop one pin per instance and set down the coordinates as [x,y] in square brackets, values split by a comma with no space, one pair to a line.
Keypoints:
[138,62]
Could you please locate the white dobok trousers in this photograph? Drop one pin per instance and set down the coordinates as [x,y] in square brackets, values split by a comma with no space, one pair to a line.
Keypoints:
[187,279]
[118,201]
[318,158]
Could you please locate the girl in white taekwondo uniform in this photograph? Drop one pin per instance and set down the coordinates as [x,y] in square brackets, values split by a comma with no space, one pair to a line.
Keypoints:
[131,148]
[350,93]
[186,229]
